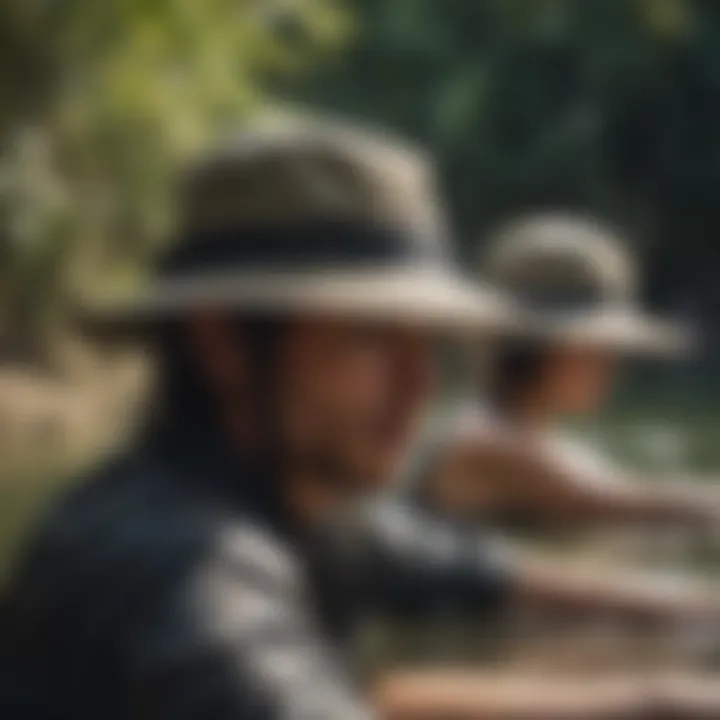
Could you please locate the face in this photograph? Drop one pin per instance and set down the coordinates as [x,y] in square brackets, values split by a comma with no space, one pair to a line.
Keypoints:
[577,380]
[351,396]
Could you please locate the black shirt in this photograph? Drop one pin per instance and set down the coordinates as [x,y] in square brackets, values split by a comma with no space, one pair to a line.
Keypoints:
[171,586]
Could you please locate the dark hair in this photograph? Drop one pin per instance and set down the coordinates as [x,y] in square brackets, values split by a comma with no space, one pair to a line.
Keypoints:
[515,366]
[183,398]
[188,411]
[180,394]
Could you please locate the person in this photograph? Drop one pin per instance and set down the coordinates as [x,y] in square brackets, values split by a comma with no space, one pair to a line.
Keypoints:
[217,567]
[503,458]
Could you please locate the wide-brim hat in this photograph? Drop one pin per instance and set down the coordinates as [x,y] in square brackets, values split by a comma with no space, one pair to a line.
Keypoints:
[413,296]
[622,329]
[578,284]
[308,216]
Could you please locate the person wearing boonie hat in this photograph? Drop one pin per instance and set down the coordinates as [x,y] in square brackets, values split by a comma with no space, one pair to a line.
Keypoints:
[218,568]
[295,320]
[503,457]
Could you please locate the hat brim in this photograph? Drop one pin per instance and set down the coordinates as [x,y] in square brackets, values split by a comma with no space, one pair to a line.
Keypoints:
[419,296]
[622,330]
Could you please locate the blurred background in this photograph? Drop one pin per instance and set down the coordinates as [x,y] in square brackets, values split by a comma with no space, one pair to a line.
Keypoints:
[605,106]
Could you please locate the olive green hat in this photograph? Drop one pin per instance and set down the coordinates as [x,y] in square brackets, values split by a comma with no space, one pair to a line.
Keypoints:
[310,215]
[579,283]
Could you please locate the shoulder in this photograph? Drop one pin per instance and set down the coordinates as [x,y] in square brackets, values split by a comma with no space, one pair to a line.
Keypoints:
[124,508]
[470,427]
[577,455]
[128,533]
[463,420]
[469,438]
[459,426]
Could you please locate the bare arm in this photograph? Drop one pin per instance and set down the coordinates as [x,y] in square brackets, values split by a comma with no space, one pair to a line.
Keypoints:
[437,693]
[418,560]
[433,693]
[502,473]
[694,496]
[593,589]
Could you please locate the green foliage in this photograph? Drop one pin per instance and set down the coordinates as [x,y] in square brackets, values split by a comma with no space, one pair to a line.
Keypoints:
[98,102]
[607,105]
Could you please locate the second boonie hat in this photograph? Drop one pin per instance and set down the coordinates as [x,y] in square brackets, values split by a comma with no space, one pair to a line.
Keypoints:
[579,284]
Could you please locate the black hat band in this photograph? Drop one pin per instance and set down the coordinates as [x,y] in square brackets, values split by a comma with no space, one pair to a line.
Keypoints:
[300,245]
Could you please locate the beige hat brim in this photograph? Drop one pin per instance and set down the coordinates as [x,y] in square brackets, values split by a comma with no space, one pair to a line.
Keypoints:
[623,330]
[415,296]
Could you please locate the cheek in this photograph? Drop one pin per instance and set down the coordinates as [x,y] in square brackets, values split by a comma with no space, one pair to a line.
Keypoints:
[361,383]
[603,377]
[588,384]
[336,388]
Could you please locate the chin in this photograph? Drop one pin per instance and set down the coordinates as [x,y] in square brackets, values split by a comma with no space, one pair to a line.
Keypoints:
[377,475]
[375,465]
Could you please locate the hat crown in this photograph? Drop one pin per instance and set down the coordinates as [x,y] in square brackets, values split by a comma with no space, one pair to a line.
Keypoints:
[569,258]
[310,172]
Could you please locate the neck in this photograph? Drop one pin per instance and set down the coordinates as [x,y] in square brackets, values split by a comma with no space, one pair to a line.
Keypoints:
[311,499]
